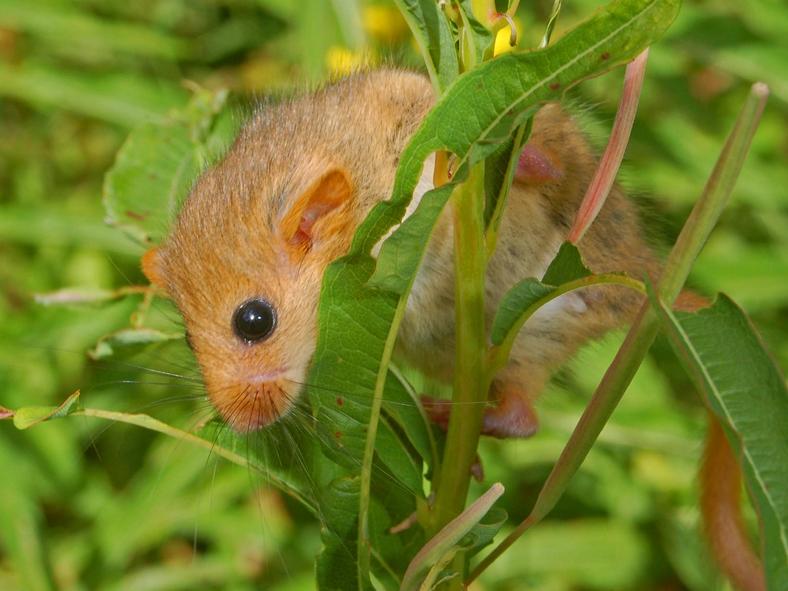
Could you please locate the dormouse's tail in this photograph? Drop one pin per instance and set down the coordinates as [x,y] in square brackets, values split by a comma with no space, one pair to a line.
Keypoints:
[720,495]
[720,482]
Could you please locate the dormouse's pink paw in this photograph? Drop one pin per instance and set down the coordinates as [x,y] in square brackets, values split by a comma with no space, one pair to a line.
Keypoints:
[512,417]
[438,410]
[536,167]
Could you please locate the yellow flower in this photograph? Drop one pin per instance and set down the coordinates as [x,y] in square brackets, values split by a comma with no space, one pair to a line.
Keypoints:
[384,23]
[503,36]
[342,61]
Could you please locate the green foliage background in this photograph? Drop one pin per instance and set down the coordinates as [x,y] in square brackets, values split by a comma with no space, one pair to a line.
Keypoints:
[84,505]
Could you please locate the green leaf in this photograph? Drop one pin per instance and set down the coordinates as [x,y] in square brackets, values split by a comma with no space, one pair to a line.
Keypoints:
[56,225]
[286,455]
[483,533]
[726,360]
[516,301]
[30,416]
[75,295]
[398,258]
[493,99]
[477,41]
[336,564]
[22,535]
[400,403]
[566,266]
[344,405]
[127,337]
[498,174]
[432,33]
[155,168]
[599,554]
[399,467]
[446,540]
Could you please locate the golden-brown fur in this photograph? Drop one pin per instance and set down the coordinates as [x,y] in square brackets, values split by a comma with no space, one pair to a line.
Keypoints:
[233,238]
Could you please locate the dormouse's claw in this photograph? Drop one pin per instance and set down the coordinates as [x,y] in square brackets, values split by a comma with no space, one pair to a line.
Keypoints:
[477,470]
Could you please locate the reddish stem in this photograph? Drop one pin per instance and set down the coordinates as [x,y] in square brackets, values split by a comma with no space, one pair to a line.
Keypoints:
[605,175]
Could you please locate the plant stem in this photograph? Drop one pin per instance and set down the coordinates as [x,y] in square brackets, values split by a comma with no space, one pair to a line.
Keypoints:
[551,23]
[716,195]
[364,543]
[693,235]
[606,172]
[148,422]
[470,375]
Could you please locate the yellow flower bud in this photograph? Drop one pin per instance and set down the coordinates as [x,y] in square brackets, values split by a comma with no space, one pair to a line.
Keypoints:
[504,35]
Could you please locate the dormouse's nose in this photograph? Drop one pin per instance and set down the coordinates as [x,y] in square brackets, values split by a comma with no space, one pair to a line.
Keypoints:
[249,405]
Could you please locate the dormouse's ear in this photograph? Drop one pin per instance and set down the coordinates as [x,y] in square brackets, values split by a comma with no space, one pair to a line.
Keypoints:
[151,266]
[318,213]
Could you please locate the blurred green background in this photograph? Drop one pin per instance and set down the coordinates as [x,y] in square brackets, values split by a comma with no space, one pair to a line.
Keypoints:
[88,505]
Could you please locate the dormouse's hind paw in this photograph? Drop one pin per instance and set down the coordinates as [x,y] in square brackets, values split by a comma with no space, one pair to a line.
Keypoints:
[512,417]
[438,410]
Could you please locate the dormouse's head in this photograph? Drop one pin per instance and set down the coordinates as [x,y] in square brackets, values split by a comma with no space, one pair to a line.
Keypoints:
[245,258]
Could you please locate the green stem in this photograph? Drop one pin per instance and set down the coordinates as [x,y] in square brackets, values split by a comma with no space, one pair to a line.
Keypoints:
[693,235]
[551,24]
[470,375]
[364,542]
[148,422]
[715,197]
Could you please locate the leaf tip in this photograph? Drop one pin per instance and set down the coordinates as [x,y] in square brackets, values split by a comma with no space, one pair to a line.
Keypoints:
[760,90]
[29,416]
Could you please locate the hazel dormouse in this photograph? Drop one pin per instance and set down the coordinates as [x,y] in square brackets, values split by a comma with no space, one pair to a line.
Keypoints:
[245,258]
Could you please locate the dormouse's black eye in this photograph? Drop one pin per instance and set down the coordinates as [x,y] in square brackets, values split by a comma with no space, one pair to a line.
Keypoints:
[254,320]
